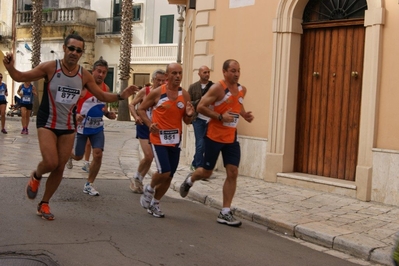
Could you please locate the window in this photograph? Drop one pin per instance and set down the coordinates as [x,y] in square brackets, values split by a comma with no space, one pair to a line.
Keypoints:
[166,29]
[136,13]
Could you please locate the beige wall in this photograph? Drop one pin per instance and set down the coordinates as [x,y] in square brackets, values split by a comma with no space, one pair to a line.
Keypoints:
[387,116]
[245,34]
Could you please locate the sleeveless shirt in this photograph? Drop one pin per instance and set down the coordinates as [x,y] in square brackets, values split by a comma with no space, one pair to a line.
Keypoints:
[225,132]
[27,94]
[3,92]
[92,108]
[168,115]
[59,98]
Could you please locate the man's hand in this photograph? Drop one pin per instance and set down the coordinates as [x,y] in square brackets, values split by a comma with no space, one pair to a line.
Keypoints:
[8,60]
[190,109]
[129,91]
[248,116]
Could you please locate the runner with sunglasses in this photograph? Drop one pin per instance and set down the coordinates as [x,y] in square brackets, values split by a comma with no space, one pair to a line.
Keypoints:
[65,80]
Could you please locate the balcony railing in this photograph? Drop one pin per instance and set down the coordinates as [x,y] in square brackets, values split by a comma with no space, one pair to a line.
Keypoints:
[5,31]
[154,54]
[108,26]
[60,15]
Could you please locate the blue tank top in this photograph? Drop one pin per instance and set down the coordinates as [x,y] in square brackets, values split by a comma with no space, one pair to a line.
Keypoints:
[3,92]
[27,94]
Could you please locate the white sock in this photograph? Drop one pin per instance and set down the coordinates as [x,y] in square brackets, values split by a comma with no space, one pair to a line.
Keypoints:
[150,189]
[139,176]
[225,210]
[189,182]
[154,201]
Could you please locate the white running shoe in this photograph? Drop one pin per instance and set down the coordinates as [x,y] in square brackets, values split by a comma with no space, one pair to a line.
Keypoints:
[69,164]
[86,167]
[89,189]
[146,198]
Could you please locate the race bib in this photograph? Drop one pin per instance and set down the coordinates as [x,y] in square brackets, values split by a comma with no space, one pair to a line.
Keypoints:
[169,136]
[234,122]
[67,95]
[26,98]
[2,92]
[93,122]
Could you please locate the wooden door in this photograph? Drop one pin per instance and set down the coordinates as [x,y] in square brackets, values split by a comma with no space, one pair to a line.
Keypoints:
[330,83]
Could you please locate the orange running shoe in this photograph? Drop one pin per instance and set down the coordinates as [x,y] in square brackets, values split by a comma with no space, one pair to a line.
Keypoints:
[33,186]
[43,210]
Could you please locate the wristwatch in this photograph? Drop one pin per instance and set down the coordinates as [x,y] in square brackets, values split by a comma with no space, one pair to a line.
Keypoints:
[220,117]
[120,97]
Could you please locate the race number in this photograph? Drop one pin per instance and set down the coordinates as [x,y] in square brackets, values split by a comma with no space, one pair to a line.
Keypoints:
[234,122]
[169,136]
[67,95]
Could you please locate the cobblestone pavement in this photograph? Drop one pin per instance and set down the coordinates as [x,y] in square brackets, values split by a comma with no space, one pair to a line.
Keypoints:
[331,223]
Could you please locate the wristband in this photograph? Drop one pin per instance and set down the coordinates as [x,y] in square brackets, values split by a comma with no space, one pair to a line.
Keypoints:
[220,117]
[120,97]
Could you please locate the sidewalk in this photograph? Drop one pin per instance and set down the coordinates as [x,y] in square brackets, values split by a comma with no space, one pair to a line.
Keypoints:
[333,222]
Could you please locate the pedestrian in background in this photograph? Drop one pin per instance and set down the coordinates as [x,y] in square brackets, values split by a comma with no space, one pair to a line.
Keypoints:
[26,91]
[200,121]
[170,106]
[3,104]
[226,99]
[142,131]
[65,80]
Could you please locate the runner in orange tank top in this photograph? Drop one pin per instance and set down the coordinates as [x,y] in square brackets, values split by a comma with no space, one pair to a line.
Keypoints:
[170,106]
[224,104]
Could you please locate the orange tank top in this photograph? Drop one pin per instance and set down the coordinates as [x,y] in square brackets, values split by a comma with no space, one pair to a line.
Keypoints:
[222,131]
[168,115]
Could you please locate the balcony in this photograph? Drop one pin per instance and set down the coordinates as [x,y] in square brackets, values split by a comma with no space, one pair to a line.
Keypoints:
[5,32]
[154,54]
[74,15]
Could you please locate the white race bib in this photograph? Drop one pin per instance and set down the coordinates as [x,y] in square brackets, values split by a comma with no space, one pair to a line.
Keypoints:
[67,95]
[169,136]
[234,122]
[26,98]
[93,122]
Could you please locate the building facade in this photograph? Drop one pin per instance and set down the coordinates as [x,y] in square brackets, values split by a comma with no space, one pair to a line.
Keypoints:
[319,84]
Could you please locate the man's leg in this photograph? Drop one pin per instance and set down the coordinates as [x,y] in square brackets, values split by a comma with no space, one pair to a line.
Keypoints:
[56,163]
[199,126]
[145,163]
[95,164]
[3,115]
[230,185]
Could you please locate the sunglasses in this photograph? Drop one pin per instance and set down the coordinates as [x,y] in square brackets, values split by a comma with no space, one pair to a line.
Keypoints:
[73,48]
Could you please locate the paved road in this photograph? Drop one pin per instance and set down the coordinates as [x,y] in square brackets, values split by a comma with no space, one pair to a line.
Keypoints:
[333,222]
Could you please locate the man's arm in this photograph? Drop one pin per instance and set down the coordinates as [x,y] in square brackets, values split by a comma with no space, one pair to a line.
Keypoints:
[148,102]
[246,115]
[39,72]
[132,106]
[189,112]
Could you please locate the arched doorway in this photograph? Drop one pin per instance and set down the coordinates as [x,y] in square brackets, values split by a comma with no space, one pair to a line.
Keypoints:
[329,88]
[287,31]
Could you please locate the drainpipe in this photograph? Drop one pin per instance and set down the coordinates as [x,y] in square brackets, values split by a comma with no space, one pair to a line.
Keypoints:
[13,39]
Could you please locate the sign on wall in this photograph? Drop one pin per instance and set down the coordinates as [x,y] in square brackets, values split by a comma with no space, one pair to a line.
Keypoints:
[241,3]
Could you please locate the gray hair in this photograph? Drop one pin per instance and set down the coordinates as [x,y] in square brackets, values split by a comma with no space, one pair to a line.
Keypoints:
[100,62]
[158,71]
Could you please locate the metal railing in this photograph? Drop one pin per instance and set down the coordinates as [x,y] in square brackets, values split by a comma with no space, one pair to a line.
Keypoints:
[154,54]
[57,15]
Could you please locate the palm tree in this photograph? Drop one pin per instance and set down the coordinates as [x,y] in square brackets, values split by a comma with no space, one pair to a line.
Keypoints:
[126,50]
[37,6]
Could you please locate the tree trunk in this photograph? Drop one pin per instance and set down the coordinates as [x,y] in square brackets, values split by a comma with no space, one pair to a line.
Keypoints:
[36,44]
[124,61]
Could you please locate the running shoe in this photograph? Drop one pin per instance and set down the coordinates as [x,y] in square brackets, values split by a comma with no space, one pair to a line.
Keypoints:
[136,185]
[26,131]
[33,186]
[4,131]
[69,164]
[155,211]
[192,168]
[146,198]
[86,167]
[43,210]
[228,219]
[89,189]
[185,187]
[23,131]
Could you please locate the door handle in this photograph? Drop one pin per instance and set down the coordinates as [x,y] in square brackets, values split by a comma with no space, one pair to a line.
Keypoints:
[355,74]
[316,74]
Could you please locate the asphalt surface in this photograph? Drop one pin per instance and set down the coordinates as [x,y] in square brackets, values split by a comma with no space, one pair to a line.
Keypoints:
[336,224]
